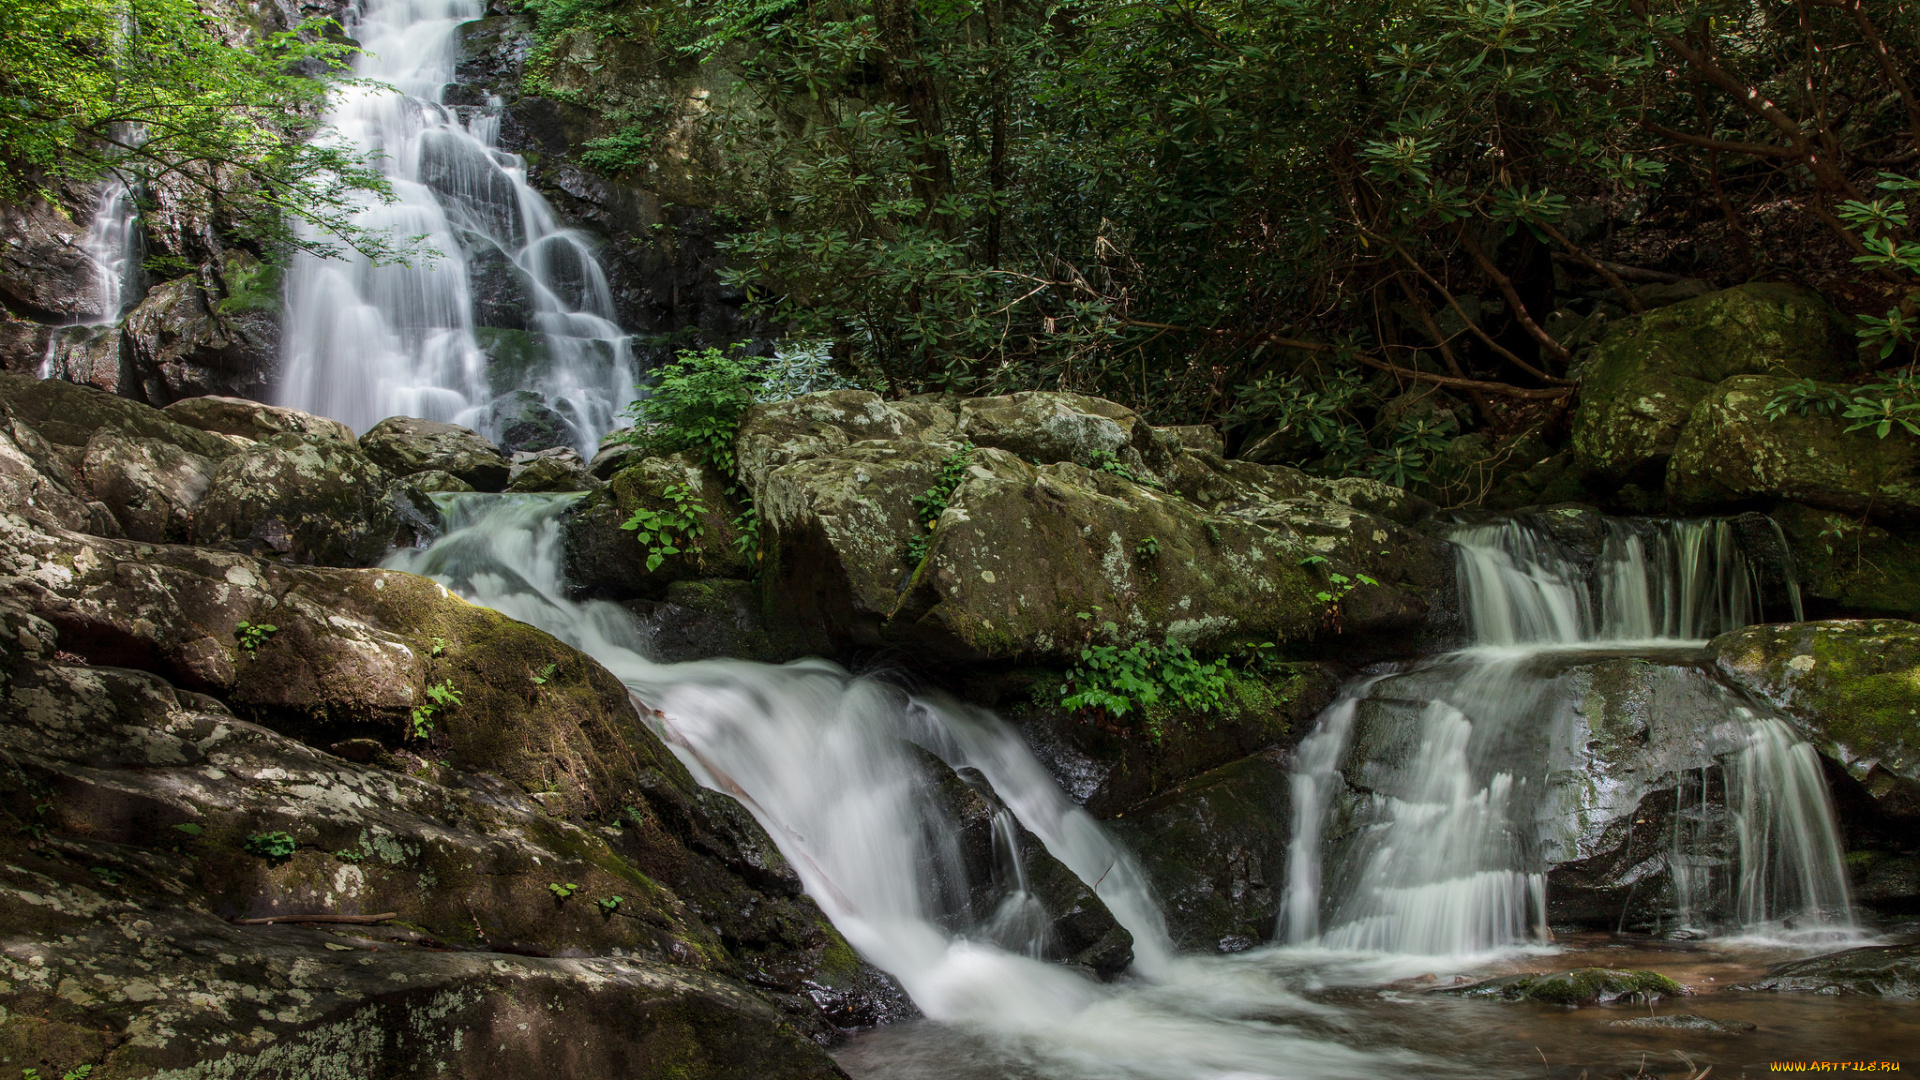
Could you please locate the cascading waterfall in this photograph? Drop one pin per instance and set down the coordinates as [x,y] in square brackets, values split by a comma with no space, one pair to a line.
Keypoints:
[830,764]
[109,243]
[1442,843]
[367,341]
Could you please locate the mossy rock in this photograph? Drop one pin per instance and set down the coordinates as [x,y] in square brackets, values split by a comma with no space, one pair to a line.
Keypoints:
[1852,686]
[1581,986]
[1732,455]
[404,445]
[1864,567]
[1639,387]
[68,415]
[609,562]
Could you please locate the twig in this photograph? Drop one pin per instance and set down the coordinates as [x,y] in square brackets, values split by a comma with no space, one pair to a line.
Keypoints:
[356,920]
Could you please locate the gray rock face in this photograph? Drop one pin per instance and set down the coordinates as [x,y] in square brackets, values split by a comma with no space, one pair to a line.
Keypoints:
[404,445]
[189,338]
[555,469]
[44,274]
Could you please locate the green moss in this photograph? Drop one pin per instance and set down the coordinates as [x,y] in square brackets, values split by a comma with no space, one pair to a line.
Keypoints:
[1581,986]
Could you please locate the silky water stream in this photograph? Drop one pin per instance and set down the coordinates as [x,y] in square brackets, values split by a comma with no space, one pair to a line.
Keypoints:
[1431,802]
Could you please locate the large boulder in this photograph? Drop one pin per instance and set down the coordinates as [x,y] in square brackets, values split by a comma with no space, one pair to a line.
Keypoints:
[1122,526]
[1732,454]
[310,500]
[206,334]
[243,419]
[1639,387]
[1215,850]
[146,471]
[404,445]
[1851,686]
[606,561]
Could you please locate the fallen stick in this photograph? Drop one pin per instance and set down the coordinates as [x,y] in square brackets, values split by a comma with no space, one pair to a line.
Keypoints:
[359,920]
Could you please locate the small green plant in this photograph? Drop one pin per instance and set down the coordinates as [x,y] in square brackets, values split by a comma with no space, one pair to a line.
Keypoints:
[695,404]
[437,648]
[562,891]
[274,847]
[440,696]
[106,874]
[1339,585]
[189,828]
[931,503]
[80,1072]
[253,635]
[347,856]
[1118,680]
[36,828]
[611,904]
[1148,548]
[1879,406]
[546,672]
[1107,461]
[664,532]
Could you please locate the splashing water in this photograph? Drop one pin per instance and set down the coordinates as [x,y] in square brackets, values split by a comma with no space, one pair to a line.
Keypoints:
[826,761]
[110,244]
[1425,811]
[367,341]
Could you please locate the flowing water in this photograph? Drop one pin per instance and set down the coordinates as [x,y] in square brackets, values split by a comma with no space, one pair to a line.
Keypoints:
[111,244]
[367,341]
[1448,876]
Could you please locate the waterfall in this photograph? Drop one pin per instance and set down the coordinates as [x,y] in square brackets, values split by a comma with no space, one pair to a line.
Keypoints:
[109,243]
[504,321]
[1424,810]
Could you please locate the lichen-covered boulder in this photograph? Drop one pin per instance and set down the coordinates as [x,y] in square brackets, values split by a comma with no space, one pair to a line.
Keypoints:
[526,423]
[1122,526]
[311,500]
[151,486]
[1215,849]
[1732,453]
[1641,383]
[558,468]
[404,445]
[1851,686]
[242,418]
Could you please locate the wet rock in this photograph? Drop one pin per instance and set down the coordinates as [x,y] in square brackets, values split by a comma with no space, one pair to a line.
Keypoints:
[1887,971]
[436,481]
[95,356]
[502,295]
[1641,383]
[557,469]
[1581,986]
[44,274]
[1056,914]
[1852,687]
[310,500]
[1215,850]
[404,445]
[1732,454]
[207,334]
[23,343]
[527,424]
[250,420]
[1863,567]
[607,561]
[719,617]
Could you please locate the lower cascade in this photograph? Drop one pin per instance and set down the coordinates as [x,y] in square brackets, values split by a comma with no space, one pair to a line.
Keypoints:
[1436,804]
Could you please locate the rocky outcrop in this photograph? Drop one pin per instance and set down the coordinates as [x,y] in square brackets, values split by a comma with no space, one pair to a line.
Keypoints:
[1641,384]
[1062,514]
[1887,971]
[214,332]
[44,274]
[313,500]
[608,562]
[251,421]
[1732,454]
[404,445]
[534,816]
[1853,689]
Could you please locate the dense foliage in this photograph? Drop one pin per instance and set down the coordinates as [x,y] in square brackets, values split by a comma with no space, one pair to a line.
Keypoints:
[1292,214]
[152,92]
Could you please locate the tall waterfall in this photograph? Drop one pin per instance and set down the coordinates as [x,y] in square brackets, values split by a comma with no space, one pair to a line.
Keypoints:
[366,341]
[1443,845]
[110,244]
